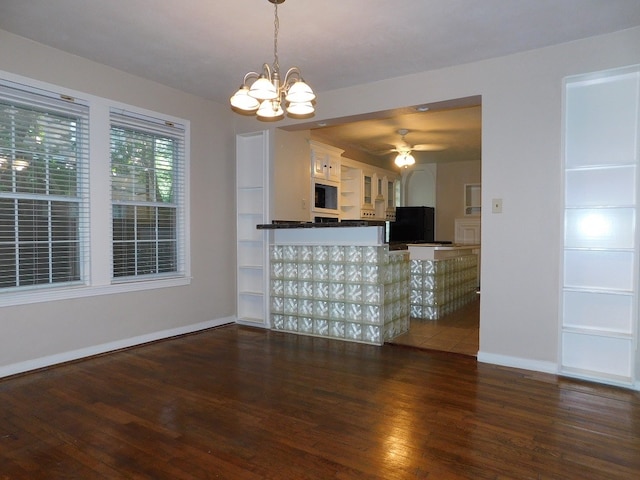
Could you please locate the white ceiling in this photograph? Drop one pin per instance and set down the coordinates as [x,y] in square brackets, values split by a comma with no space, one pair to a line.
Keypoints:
[205,47]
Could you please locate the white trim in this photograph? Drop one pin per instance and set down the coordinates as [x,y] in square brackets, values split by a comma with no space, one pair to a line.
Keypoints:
[50,294]
[599,377]
[51,360]
[518,362]
[264,324]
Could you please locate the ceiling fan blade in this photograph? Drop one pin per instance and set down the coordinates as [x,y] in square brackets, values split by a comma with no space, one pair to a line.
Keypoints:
[429,147]
[379,152]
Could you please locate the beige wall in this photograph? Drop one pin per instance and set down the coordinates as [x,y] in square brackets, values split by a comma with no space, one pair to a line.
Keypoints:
[42,333]
[451,178]
[291,176]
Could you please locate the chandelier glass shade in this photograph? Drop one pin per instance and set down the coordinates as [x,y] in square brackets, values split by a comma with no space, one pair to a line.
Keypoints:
[268,95]
[404,159]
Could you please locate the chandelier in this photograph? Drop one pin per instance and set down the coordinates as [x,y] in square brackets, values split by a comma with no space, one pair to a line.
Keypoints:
[268,92]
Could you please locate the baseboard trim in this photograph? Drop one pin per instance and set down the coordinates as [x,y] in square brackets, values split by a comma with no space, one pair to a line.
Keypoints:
[50,360]
[518,362]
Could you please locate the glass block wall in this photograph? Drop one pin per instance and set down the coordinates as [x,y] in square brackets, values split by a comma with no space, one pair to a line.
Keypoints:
[439,287]
[354,293]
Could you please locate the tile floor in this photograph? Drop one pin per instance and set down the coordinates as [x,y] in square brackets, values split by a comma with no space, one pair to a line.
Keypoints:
[456,332]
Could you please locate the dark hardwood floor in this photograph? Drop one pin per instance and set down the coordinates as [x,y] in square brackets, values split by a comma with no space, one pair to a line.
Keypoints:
[240,403]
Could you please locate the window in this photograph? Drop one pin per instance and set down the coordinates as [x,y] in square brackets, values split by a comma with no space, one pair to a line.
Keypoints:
[93,195]
[43,188]
[147,157]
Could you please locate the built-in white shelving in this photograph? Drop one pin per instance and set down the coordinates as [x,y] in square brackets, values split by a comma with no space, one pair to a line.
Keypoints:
[252,208]
[599,325]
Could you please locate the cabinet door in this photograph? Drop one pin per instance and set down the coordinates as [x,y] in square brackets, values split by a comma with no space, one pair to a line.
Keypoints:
[391,194]
[333,171]
[319,164]
[325,161]
[367,189]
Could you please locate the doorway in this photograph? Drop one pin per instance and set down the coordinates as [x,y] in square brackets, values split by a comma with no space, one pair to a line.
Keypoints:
[447,141]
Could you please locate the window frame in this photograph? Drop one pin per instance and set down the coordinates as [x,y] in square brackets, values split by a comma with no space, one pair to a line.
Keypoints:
[99,279]
[153,128]
[43,112]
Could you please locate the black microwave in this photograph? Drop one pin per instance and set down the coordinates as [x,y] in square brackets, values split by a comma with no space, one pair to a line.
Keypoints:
[325,196]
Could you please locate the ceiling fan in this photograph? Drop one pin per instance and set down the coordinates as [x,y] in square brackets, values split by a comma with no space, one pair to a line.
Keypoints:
[406,148]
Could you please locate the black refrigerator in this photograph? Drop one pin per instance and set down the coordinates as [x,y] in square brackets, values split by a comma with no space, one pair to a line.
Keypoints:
[412,225]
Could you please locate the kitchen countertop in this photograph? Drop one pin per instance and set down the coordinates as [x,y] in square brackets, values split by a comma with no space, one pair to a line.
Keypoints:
[435,251]
[279,225]
[440,246]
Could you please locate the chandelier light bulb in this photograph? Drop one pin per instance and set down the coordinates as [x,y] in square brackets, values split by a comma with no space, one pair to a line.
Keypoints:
[300,92]
[270,110]
[300,108]
[243,101]
[263,89]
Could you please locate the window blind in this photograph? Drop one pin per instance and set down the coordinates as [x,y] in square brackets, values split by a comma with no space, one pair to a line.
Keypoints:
[147,190]
[44,210]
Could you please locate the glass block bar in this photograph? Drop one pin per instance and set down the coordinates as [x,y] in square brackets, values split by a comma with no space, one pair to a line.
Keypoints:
[352,292]
[439,287]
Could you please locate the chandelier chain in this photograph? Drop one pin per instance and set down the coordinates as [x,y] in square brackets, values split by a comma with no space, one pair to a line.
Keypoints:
[276,28]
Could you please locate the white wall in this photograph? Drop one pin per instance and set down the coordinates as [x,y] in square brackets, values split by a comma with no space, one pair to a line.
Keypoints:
[521,163]
[43,333]
[452,177]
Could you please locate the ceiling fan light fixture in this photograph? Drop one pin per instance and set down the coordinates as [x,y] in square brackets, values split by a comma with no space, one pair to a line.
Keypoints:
[404,160]
[269,92]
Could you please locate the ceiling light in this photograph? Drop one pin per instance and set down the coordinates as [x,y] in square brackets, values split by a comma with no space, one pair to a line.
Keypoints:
[404,159]
[267,93]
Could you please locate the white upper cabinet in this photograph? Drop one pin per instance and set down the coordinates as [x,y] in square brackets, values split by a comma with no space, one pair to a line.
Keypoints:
[325,161]
[368,192]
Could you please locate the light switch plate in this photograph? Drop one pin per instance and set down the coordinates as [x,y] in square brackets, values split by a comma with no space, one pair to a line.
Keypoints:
[496,205]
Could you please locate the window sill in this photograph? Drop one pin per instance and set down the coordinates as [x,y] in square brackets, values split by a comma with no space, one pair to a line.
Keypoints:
[40,295]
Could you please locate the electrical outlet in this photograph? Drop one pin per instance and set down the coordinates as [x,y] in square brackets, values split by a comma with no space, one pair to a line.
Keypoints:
[496,205]
[304,203]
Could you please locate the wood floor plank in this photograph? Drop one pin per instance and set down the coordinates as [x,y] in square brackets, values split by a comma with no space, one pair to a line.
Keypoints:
[246,404]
